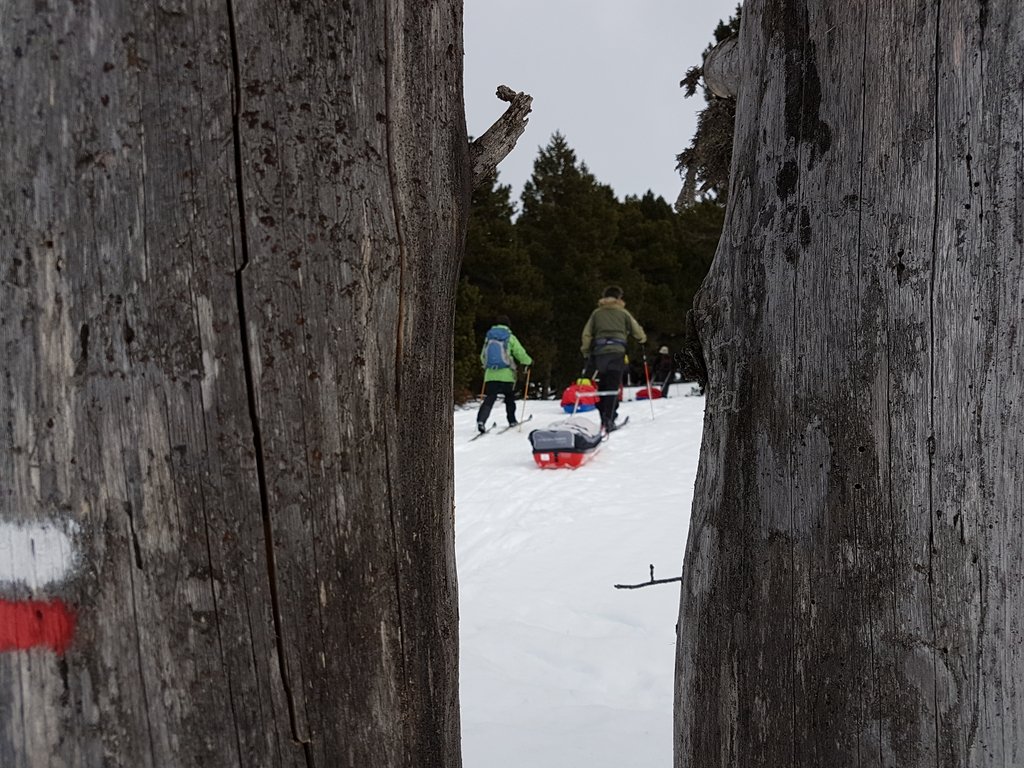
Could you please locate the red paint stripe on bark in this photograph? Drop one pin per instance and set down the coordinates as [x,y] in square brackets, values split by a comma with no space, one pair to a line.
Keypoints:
[30,623]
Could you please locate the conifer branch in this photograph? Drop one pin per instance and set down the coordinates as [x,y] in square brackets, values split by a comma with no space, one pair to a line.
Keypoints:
[490,149]
[691,358]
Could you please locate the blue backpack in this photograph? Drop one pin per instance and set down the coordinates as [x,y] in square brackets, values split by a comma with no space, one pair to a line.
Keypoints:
[496,349]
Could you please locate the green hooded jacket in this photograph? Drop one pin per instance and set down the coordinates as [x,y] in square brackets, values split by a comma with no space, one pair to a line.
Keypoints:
[613,323]
[515,350]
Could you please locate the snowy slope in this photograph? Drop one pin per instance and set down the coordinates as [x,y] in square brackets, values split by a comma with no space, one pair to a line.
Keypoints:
[558,668]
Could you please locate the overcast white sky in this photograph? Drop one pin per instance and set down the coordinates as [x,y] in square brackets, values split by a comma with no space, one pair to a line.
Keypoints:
[603,72]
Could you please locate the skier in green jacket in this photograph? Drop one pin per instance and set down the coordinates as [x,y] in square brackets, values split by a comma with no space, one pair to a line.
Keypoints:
[604,345]
[499,355]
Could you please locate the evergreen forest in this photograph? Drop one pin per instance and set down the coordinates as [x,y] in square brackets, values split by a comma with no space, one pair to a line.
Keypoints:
[546,267]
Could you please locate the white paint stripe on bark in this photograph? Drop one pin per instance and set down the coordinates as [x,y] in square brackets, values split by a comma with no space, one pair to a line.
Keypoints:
[35,554]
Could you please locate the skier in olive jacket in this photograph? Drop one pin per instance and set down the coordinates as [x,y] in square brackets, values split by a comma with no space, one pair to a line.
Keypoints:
[499,355]
[604,345]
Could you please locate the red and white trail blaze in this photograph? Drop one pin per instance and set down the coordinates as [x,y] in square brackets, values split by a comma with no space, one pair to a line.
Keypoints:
[28,624]
[38,556]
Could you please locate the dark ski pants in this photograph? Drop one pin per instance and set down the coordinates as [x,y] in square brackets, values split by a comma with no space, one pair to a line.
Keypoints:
[665,384]
[610,369]
[491,391]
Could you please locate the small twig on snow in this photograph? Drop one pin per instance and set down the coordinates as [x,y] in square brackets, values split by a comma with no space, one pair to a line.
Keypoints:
[649,583]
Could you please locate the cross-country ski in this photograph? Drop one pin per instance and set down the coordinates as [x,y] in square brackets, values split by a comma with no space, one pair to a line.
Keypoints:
[615,426]
[483,431]
[503,430]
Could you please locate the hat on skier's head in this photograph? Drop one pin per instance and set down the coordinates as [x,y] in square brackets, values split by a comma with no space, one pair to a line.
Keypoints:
[502,320]
[612,292]
[663,351]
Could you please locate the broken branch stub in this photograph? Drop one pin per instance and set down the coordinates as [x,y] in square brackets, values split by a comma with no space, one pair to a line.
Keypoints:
[490,149]
[722,68]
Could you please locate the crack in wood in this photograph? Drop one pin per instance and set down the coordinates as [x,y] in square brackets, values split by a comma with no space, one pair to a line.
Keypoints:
[250,386]
[393,186]
[135,536]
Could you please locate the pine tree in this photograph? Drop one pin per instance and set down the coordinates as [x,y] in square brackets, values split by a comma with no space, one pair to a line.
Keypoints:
[569,226]
[650,232]
[497,278]
[547,269]
[671,252]
[466,372]
[700,227]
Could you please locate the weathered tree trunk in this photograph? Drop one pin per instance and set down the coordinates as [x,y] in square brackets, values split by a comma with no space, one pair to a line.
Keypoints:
[230,235]
[854,577]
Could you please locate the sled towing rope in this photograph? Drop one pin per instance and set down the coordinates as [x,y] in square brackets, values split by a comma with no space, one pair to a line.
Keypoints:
[580,395]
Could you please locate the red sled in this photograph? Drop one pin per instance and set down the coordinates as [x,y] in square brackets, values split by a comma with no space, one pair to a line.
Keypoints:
[648,392]
[561,459]
[565,444]
[576,397]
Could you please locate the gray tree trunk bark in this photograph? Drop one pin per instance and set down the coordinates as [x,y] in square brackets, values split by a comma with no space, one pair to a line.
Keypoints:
[230,236]
[853,587]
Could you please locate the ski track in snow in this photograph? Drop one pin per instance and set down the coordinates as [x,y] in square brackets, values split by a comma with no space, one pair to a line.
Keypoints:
[558,668]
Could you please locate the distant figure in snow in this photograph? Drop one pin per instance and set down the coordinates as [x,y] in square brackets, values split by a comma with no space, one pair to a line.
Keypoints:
[662,370]
[499,355]
[603,343]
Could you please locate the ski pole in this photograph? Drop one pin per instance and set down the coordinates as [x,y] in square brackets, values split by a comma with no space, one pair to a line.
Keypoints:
[596,380]
[526,396]
[647,375]
[576,394]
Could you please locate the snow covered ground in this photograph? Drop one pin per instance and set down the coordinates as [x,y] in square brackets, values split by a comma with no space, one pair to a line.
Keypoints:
[558,668]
